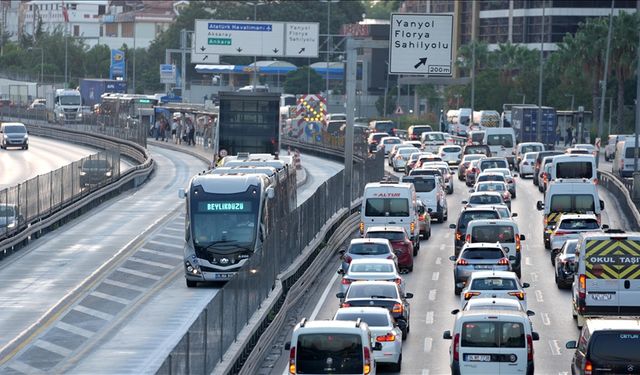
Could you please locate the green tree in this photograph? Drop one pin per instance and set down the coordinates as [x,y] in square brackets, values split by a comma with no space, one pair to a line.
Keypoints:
[381,10]
[304,80]
[624,42]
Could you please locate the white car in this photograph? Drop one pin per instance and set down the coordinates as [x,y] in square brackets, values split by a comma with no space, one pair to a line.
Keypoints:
[401,158]
[371,269]
[395,149]
[446,173]
[386,143]
[527,164]
[494,284]
[507,304]
[510,179]
[586,146]
[451,154]
[570,226]
[383,330]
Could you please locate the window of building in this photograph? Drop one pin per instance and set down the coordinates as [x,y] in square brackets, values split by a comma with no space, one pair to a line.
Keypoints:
[127,30]
[442,6]
[102,10]
[74,6]
[76,30]
[494,30]
[494,4]
[101,31]
[111,30]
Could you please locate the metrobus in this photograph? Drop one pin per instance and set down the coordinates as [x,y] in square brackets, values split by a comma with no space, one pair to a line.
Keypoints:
[127,110]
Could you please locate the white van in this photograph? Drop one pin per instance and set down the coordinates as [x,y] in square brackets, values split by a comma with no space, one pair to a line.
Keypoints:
[391,203]
[568,197]
[431,141]
[607,278]
[331,347]
[491,342]
[501,141]
[574,167]
[504,231]
[524,147]
[624,158]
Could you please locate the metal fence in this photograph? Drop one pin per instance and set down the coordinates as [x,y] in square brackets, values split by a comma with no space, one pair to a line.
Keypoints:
[35,199]
[218,326]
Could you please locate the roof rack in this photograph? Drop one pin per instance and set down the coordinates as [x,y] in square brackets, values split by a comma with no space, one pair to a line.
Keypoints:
[303,322]
[614,231]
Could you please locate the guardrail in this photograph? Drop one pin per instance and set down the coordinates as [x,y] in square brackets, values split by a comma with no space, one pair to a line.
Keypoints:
[621,192]
[76,204]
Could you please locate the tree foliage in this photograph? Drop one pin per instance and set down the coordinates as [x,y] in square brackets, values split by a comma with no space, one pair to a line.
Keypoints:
[304,80]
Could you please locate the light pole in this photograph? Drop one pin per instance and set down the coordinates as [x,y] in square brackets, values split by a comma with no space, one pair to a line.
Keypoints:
[524,97]
[386,92]
[255,5]
[573,97]
[329,46]
[604,82]
[41,61]
[540,73]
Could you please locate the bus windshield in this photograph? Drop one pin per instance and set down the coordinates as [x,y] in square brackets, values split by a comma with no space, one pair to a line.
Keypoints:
[224,221]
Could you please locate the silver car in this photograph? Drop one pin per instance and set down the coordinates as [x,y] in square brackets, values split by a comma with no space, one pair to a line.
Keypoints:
[367,248]
[480,256]
[370,270]
[401,157]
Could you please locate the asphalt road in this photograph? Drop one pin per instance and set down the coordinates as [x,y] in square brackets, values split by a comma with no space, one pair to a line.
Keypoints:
[424,351]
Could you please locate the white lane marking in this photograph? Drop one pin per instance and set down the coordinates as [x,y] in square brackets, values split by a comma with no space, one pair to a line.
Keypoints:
[124,285]
[425,371]
[428,344]
[152,263]
[54,348]
[527,261]
[545,319]
[438,260]
[73,329]
[447,234]
[429,319]
[94,313]
[539,296]
[435,276]
[555,347]
[442,246]
[172,236]
[534,276]
[25,368]
[323,297]
[175,246]
[160,253]
[109,297]
[563,373]
[432,294]
[138,273]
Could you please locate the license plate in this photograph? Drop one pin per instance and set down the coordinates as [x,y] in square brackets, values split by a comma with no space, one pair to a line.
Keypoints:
[479,357]
[602,296]
[224,276]
[483,267]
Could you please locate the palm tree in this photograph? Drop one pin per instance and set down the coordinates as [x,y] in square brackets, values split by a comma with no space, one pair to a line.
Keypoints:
[624,42]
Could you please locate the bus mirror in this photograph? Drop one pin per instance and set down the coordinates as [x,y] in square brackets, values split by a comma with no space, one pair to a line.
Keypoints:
[181,193]
[601,204]
[540,206]
[271,193]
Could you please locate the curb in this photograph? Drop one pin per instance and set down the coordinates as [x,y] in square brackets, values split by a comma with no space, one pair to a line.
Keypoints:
[174,147]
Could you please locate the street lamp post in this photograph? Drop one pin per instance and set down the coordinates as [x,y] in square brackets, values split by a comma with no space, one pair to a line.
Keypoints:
[572,99]
[329,47]
[255,5]
[41,62]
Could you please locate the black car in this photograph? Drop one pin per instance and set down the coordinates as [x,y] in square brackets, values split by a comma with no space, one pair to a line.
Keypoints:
[564,260]
[385,294]
[465,217]
[536,167]
[607,346]
[95,171]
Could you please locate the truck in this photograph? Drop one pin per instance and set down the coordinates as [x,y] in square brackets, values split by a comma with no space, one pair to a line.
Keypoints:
[248,122]
[524,120]
[91,89]
[65,105]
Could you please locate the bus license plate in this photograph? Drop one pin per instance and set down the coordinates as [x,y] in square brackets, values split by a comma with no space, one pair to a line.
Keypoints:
[479,357]
[224,276]
[602,296]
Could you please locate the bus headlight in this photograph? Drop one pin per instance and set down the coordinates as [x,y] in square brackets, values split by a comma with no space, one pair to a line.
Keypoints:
[192,269]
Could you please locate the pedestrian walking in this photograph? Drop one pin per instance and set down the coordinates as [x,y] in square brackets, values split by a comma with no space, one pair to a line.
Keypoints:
[569,138]
[174,130]
[156,127]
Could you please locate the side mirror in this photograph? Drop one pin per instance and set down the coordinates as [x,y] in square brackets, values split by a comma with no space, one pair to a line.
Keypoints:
[522,237]
[455,311]
[512,258]
[271,193]
[530,313]
[340,295]
[341,251]
[447,335]
[340,271]
[408,295]
[540,206]
[181,193]
[377,346]
[535,336]
[601,204]
[514,214]
[429,210]
[525,285]
[452,258]
[287,345]
[465,202]
[573,344]
[452,226]
[470,190]
[605,227]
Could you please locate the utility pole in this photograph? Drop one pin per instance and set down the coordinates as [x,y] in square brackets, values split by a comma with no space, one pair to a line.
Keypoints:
[134,55]
[636,175]
[183,47]
[539,122]
[603,88]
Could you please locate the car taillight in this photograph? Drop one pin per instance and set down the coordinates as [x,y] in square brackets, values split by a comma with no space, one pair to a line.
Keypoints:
[366,368]
[462,262]
[347,259]
[529,348]
[389,337]
[397,308]
[345,281]
[545,221]
[361,227]
[561,233]
[345,304]
[468,295]
[458,236]
[595,181]
[467,238]
[390,257]
[412,226]
[588,367]
[503,262]
[520,295]
[292,360]
[517,242]
[398,281]
[582,286]
[456,347]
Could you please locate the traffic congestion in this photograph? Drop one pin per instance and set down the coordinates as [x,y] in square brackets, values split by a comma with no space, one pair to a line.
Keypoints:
[478,255]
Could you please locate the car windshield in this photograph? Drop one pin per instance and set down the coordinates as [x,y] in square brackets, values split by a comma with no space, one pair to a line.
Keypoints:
[423,185]
[479,253]
[491,177]
[579,224]
[494,283]
[469,158]
[485,199]
[630,153]
[577,203]
[434,137]
[371,267]
[421,129]
[530,148]
[389,235]
[407,151]
[574,169]
[477,137]
[486,164]
[329,353]
[491,187]
[372,290]
[15,129]
[467,216]
[478,150]
[393,207]
[505,140]
[492,306]
[373,320]
[384,126]
[615,347]
[451,149]
[493,335]
[504,212]
[368,249]
[7,211]
[391,141]
[570,247]
[493,233]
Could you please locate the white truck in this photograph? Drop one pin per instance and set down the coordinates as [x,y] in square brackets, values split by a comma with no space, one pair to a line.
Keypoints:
[65,106]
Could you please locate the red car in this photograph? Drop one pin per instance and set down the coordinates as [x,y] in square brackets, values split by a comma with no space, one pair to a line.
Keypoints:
[400,241]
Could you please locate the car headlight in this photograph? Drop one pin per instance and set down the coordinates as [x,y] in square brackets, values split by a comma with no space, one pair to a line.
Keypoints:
[12,225]
[60,114]
[79,115]
[108,174]
[82,173]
